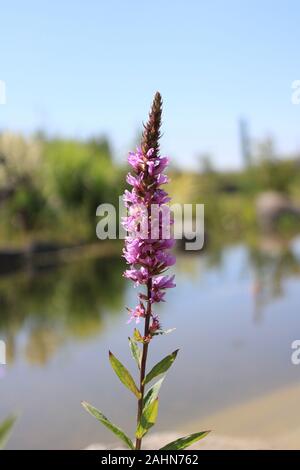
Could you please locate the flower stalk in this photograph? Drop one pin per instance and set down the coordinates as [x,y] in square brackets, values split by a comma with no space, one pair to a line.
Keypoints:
[147,252]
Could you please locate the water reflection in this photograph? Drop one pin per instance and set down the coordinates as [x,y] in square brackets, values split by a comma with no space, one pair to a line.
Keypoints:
[59,322]
[54,306]
[273,260]
[68,303]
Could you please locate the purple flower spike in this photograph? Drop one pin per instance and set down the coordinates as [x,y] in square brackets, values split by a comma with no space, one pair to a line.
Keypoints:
[147,252]
[147,244]
[137,313]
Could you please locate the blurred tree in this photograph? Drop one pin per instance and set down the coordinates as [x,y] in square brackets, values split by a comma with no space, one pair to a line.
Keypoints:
[20,166]
[270,172]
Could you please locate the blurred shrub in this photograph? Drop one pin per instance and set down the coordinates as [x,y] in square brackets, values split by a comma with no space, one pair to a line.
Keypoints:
[20,158]
[45,183]
[81,174]
[20,175]
[52,187]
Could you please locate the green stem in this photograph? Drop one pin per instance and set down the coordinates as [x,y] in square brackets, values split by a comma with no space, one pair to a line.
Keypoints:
[138,443]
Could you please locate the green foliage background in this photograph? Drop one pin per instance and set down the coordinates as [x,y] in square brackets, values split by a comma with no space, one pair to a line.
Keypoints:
[50,188]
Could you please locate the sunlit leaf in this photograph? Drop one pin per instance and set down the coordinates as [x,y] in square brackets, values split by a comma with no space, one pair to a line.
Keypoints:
[186,441]
[152,393]
[148,419]
[116,430]
[124,375]
[161,366]
[135,351]
[137,336]
[5,430]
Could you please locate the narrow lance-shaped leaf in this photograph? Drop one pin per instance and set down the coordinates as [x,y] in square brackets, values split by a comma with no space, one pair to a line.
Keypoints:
[161,366]
[124,375]
[164,332]
[186,441]
[5,430]
[116,430]
[148,419]
[135,351]
[152,393]
[137,336]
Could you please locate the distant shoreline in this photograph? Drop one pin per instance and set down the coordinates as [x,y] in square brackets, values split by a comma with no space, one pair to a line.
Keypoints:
[271,421]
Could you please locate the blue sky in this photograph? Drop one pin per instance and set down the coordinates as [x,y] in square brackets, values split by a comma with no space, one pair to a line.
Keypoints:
[80,68]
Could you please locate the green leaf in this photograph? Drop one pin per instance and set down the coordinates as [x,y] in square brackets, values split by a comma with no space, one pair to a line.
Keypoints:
[124,375]
[5,430]
[152,393]
[163,332]
[135,351]
[186,441]
[100,417]
[137,336]
[148,419]
[161,366]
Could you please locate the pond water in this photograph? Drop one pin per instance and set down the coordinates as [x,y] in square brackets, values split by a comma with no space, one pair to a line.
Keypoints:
[235,310]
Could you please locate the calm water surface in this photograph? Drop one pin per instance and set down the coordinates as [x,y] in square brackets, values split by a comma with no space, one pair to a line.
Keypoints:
[236,312]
